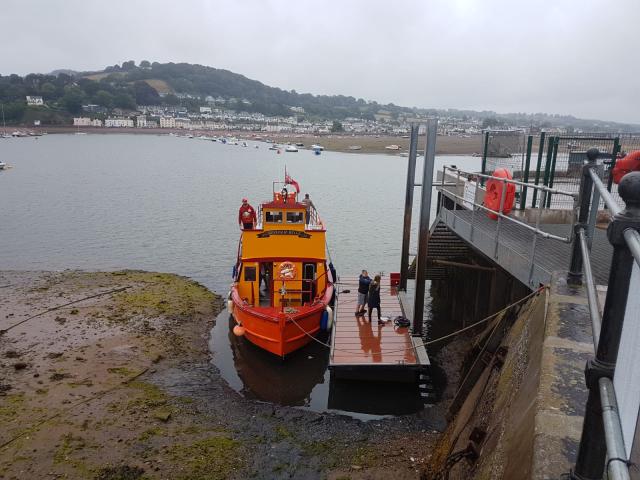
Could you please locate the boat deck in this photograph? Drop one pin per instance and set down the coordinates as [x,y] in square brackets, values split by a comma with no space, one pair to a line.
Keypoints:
[364,350]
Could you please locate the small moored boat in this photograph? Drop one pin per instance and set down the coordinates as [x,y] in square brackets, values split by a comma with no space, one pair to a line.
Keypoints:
[282,286]
[291,148]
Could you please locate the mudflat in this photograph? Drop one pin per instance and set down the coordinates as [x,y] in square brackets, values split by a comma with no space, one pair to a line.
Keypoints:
[107,375]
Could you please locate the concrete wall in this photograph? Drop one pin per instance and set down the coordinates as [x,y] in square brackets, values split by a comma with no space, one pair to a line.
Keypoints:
[524,415]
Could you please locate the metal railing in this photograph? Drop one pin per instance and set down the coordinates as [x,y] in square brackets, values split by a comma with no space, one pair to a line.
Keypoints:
[475,205]
[602,434]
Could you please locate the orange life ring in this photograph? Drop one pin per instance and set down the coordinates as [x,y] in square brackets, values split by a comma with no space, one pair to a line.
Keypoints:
[628,163]
[493,196]
[287,271]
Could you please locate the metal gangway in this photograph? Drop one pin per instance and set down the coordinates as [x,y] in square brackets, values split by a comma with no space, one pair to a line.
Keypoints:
[531,251]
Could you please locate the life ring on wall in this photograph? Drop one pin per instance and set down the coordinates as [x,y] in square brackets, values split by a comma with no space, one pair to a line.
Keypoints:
[627,164]
[494,193]
[287,271]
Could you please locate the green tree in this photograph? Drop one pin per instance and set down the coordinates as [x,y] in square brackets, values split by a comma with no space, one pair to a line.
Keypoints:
[103,98]
[124,101]
[337,126]
[146,94]
[72,100]
[145,64]
[48,91]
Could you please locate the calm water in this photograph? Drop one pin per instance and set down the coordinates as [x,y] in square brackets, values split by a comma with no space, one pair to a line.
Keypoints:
[170,204]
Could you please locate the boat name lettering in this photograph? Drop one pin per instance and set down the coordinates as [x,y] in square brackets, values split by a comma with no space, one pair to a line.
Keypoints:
[283,232]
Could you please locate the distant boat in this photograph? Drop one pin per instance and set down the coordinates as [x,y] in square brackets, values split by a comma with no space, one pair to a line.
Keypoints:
[274,147]
[299,144]
[3,165]
[392,147]
[317,147]
[291,148]
[355,147]
[244,144]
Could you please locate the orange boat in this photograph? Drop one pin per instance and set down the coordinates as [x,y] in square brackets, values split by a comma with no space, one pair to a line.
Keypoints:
[282,286]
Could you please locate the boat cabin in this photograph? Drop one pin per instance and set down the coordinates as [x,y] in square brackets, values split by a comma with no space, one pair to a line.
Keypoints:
[283,259]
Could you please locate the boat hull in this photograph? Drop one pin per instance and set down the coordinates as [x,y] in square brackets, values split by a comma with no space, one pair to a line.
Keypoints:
[276,332]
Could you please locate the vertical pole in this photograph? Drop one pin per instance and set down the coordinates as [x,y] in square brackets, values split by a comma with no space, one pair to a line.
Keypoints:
[408,207]
[592,451]
[552,173]
[614,155]
[485,149]
[538,166]
[547,162]
[499,221]
[525,179]
[586,189]
[423,236]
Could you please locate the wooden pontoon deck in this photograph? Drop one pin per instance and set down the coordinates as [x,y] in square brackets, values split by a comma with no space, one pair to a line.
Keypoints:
[370,351]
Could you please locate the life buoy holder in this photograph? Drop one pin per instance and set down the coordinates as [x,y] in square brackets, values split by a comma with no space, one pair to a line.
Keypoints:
[287,271]
[627,164]
[493,196]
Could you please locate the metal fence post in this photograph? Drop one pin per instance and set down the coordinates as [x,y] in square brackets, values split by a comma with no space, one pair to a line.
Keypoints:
[538,167]
[525,178]
[592,451]
[586,188]
[484,155]
[547,162]
[552,174]
[423,235]
[408,206]
[614,154]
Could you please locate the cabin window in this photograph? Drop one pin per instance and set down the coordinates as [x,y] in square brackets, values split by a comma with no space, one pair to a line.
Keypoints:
[249,274]
[295,217]
[273,216]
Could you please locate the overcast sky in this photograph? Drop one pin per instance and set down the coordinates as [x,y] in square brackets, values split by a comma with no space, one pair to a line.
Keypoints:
[579,57]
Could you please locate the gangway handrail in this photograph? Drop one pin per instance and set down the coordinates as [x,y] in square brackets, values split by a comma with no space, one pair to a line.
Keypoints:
[602,418]
[498,213]
[609,201]
[515,182]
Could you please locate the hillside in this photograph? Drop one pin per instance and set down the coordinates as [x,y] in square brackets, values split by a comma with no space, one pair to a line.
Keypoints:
[128,85]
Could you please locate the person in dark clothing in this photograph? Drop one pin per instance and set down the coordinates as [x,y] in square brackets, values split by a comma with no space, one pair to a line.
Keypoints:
[363,290]
[374,297]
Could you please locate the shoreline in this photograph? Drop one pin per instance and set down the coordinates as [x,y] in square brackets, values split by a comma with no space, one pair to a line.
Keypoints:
[445,145]
[122,359]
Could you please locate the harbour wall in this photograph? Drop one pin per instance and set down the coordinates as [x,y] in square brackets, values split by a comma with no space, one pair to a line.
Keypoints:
[523,416]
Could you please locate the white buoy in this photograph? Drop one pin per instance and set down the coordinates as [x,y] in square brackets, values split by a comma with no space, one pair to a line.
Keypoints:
[229,303]
[329,317]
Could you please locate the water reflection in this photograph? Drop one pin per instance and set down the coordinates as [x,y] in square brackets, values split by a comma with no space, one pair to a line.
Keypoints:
[303,380]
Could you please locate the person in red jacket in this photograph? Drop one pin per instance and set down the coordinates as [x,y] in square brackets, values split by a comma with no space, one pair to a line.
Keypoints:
[246,215]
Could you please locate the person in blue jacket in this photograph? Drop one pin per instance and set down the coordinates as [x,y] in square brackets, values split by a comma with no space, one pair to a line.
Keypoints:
[363,290]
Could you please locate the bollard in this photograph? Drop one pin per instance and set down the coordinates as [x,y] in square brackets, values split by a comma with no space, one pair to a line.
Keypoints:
[592,451]
[586,189]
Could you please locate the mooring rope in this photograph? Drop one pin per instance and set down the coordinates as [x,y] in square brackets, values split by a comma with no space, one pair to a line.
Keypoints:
[484,320]
[116,290]
[67,410]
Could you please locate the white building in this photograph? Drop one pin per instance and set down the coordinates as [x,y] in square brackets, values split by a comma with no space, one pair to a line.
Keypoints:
[182,122]
[141,121]
[82,122]
[205,109]
[167,122]
[118,122]
[34,100]
[96,122]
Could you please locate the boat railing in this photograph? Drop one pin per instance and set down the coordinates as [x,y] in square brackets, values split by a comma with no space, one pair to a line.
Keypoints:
[315,222]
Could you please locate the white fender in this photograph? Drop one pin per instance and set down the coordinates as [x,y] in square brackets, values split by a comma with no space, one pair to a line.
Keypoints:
[330,317]
[229,303]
